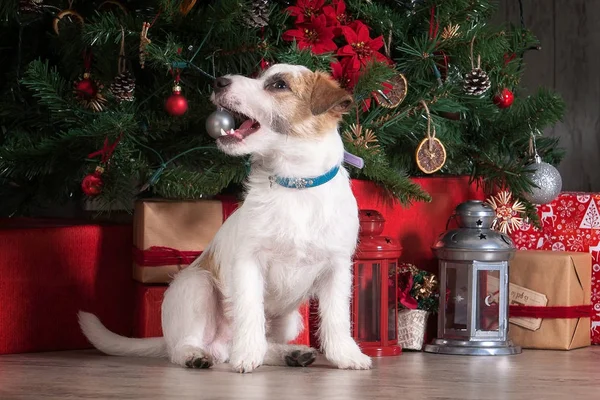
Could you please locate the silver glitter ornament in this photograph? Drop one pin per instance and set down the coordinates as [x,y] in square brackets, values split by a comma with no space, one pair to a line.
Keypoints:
[548,182]
[219,121]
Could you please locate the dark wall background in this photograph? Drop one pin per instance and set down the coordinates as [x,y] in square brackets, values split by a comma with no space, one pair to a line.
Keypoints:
[569,62]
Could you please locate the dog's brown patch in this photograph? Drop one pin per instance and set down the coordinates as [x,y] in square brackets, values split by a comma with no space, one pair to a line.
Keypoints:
[313,105]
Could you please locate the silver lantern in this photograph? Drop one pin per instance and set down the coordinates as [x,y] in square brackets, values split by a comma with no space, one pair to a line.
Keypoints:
[473,261]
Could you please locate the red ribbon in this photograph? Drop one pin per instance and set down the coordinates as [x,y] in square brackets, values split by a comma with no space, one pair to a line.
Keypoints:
[556,312]
[434,25]
[405,284]
[107,150]
[157,256]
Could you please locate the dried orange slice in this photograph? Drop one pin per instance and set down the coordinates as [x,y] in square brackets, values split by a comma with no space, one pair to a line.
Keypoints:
[396,94]
[430,155]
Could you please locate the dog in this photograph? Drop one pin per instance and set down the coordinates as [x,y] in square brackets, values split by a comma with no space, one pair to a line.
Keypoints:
[292,239]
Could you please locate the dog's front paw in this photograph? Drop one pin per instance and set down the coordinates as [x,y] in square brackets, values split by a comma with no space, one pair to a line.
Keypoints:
[247,358]
[348,357]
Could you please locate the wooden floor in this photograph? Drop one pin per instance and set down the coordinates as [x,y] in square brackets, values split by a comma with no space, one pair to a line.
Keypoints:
[533,375]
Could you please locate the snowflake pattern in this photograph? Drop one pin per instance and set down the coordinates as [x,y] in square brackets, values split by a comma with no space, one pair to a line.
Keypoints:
[570,223]
[566,208]
[595,295]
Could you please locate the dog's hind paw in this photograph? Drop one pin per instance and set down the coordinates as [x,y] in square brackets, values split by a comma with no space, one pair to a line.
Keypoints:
[199,362]
[301,358]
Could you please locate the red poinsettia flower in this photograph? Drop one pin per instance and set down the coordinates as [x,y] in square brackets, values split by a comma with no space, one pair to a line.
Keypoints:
[305,10]
[344,75]
[315,35]
[361,48]
[336,15]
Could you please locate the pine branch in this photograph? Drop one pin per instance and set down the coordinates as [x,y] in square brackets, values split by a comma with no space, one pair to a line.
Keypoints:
[50,88]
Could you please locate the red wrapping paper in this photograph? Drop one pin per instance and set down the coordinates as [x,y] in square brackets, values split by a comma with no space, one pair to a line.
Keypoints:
[569,223]
[50,270]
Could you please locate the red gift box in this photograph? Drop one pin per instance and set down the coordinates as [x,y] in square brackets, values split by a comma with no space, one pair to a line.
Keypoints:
[148,313]
[569,223]
[50,270]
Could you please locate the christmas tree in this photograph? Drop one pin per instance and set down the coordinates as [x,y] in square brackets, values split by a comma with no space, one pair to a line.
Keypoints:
[109,99]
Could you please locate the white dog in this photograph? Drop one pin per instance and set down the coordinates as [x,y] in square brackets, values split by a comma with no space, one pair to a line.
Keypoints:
[293,238]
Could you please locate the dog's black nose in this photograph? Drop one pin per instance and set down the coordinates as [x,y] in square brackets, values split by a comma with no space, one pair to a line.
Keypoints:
[221,83]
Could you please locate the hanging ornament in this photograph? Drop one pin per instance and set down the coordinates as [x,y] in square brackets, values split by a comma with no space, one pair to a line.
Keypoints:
[176,104]
[477,81]
[361,138]
[144,42]
[66,16]
[398,88]
[258,15]
[265,64]
[218,123]
[544,176]
[124,84]
[430,154]
[87,91]
[186,6]
[504,99]
[92,184]
[509,214]
[112,5]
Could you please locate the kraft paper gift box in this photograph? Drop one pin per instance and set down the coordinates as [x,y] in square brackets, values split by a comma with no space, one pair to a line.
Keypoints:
[169,235]
[558,285]
[571,222]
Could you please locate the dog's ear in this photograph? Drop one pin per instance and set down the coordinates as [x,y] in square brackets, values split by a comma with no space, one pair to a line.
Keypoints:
[328,96]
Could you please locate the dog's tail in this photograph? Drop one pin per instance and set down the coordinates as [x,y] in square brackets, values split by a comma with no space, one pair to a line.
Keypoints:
[115,345]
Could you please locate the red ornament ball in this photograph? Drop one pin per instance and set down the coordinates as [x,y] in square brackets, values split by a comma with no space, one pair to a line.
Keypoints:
[504,99]
[86,87]
[92,184]
[176,104]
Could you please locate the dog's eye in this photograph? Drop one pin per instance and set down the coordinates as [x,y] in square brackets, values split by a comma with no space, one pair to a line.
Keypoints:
[279,85]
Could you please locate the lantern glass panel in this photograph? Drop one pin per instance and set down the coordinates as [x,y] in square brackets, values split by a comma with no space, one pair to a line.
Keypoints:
[488,311]
[457,284]
[392,302]
[369,302]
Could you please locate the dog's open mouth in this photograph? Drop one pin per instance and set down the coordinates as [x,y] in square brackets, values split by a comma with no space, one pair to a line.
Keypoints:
[247,127]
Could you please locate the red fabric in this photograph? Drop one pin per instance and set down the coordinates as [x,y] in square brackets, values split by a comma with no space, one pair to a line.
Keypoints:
[569,223]
[156,256]
[550,312]
[48,273]
[148,313]
[418,226]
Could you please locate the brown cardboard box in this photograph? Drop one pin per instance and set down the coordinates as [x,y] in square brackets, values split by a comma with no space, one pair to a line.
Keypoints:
[176,227]
[565,279]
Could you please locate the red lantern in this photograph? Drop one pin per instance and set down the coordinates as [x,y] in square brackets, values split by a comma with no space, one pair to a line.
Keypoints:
[374,303]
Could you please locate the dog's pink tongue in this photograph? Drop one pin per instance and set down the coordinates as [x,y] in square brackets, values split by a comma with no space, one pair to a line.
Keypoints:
[246,125]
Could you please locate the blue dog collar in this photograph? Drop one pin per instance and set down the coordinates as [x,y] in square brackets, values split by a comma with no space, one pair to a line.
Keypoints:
[304,183]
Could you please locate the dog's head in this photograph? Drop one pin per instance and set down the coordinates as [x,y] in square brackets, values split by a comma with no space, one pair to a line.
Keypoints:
[286,102]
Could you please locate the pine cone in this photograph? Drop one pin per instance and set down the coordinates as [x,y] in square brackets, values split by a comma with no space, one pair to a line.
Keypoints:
[123,87]
[258,16]
[477,82]
[31,6]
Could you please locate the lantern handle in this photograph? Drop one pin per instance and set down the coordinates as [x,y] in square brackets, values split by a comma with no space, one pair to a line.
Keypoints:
[453,216]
